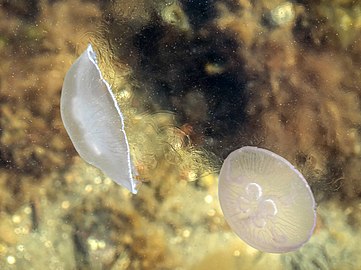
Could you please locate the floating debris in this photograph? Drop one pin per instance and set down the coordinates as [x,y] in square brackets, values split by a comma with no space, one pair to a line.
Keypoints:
[282,14]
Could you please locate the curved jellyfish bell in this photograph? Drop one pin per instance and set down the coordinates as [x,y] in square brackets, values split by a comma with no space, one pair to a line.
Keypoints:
[94,122]
[266,201]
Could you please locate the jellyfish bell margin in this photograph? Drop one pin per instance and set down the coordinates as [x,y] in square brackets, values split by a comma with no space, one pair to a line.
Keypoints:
[266,201]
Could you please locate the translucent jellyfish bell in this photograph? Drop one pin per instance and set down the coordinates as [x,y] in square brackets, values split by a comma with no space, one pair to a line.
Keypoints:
[94,122]
[266,201]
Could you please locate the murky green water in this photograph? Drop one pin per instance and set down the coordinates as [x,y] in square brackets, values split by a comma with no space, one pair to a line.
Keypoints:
[194,80]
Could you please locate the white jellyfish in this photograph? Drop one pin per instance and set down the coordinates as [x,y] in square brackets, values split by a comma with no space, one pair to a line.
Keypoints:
[94,122]
[266,201]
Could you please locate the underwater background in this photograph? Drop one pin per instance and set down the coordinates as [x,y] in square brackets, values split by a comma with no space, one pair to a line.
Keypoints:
[195,81]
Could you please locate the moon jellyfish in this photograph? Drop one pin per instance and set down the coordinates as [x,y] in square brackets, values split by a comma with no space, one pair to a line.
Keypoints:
[94,122]
[266,201]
